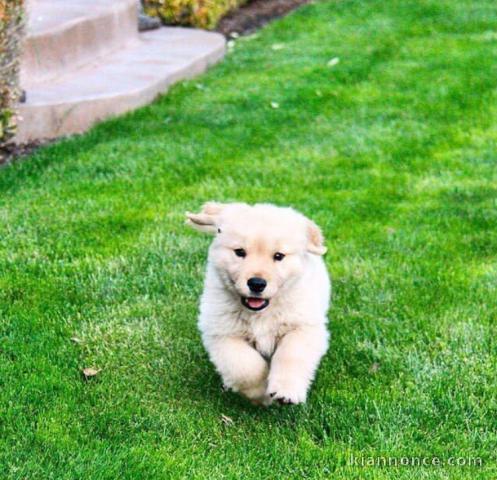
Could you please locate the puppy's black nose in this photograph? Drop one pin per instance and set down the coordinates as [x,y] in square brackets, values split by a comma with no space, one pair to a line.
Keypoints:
[256,284]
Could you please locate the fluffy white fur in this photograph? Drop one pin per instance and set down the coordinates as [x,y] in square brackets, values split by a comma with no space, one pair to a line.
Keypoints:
[272,354]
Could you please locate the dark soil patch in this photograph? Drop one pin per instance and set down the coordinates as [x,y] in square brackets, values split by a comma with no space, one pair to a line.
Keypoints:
[255,14]
[11,151]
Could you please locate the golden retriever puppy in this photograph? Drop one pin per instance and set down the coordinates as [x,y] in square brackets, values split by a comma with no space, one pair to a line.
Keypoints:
[266,295]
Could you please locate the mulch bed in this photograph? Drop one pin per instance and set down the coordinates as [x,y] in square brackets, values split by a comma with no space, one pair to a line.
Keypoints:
[255,14]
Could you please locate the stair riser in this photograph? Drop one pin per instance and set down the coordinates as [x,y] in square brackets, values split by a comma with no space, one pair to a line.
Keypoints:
[50,55]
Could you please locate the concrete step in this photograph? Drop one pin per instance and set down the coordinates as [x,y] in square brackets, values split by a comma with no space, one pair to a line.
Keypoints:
[117,83]
[65,34]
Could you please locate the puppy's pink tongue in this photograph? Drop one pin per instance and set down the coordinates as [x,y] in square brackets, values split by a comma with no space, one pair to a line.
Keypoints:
[255,302]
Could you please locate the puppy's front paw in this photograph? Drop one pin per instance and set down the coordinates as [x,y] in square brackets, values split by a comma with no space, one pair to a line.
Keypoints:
[287,392]
[257,394]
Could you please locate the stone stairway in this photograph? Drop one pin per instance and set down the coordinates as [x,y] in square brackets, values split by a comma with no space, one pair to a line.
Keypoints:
[84,61]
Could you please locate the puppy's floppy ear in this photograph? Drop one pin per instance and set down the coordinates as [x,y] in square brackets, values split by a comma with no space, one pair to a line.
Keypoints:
[206,221]
[315,239]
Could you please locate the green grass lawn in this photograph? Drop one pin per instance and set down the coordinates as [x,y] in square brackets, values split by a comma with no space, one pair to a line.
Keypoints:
[392,151]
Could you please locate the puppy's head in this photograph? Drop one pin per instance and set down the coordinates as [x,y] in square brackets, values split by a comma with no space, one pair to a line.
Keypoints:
[257,250]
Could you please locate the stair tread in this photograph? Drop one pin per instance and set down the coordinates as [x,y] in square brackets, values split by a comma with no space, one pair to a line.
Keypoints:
[49,16]
[156,55]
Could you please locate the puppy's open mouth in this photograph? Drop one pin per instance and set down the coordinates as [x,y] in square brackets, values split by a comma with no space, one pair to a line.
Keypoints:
[254,303]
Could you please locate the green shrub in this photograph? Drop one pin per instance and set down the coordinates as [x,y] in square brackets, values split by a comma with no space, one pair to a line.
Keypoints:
[197,13]
[11,21]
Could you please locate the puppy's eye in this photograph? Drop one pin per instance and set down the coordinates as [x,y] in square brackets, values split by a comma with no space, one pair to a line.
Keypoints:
[240,252]
[278,256]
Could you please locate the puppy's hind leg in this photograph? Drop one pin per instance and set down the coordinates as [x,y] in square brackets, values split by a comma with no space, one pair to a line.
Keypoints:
[294,364]
[241,367]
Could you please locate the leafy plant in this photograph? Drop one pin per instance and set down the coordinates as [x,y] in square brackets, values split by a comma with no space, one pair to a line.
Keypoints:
[11,22]
[198,13]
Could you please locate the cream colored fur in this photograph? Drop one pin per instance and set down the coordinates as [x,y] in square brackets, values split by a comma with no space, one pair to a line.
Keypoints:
[272,354]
